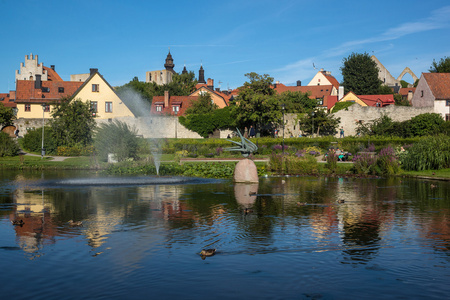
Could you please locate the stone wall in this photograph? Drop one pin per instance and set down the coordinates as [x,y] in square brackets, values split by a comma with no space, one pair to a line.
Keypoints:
[368,113]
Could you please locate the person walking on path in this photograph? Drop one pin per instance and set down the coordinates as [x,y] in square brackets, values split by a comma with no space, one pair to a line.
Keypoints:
[342,132]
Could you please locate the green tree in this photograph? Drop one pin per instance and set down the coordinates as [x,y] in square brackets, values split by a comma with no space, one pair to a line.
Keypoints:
[297,102]
[204,117]
[257,103]
[400,101]
[6,115]
[322,122]
[360,74]
[73,122]
[404,84]
[8,146]
[385,90]
[443,66]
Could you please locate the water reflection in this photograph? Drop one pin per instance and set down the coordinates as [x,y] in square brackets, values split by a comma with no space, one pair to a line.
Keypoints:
[278,218]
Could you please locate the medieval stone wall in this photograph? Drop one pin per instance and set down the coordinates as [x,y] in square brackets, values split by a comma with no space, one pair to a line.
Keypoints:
[368,113]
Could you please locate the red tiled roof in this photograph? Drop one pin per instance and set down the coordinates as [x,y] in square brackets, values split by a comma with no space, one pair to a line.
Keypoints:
[6,100]
[52,75]
[439,84]
[330,101]
[315,91]
[331,79]
[372,100]
[405,91]
[27,93]
[183,102]
[225,97]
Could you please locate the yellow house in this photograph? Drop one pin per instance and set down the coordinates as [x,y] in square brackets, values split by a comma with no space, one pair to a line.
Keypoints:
[104,100]
[219,98]
[351,97]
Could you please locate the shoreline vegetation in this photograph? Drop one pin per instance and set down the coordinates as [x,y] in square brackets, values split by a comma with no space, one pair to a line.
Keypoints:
[219,167]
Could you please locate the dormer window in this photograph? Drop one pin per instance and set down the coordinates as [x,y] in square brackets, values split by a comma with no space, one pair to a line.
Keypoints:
[159,108]
[45,90]
[61,90]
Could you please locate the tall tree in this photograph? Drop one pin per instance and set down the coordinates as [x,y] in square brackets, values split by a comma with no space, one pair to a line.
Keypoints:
[6,115]
[360,74]
[443,66]
[297,102]
[73,122]
[257,103]
[320,123]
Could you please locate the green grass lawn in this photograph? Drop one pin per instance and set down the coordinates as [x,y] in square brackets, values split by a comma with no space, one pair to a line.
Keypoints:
[443,173]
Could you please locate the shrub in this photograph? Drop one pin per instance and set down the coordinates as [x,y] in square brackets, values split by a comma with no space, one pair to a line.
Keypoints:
[431,153]
[387,162]
[364,164]
[332,159]
[32,141]
[8,146]
[301,165]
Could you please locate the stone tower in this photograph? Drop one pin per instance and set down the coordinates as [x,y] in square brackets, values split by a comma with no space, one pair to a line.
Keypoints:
[169,65]
[201,75]
[31,68]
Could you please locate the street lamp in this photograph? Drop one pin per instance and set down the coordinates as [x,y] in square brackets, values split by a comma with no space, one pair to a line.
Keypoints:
[312,115]
[43,123]
[283,106]
[176,123]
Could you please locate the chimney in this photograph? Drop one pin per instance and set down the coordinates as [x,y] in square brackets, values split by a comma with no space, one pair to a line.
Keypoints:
[53,67]
[299,83]
[340,93]
[93,71]
[38,82]
[166,98]
[210,84]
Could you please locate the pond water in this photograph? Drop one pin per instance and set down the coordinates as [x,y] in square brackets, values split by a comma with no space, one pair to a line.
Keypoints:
[140,237]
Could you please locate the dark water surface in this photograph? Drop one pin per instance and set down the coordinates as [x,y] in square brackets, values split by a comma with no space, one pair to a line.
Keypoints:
[141,238]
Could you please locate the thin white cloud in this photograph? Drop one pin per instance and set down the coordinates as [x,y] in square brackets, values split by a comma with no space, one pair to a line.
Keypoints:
[438,19]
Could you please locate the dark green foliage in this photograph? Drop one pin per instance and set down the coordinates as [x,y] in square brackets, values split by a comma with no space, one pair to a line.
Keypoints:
[73,122]
[297,102]
[421,125]
[6,115]
[399,101]
[117,138]
[430,153]
[32,141]
[8,146]
[443,66]
[332,159]
[341,105]
[404,84]
[385,90]
[292,164]
[322,122]
[204,118]
[360,74]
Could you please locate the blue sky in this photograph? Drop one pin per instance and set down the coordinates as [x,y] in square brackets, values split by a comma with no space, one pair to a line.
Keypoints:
[282,38]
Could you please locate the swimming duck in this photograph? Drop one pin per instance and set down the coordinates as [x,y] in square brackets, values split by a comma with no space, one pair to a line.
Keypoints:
[433,186]
[18,222]
[301,203]
[248,211]
[208,252]
[77,223]
[340,201]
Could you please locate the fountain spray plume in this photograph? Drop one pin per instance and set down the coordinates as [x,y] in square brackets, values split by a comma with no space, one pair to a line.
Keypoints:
[141,109]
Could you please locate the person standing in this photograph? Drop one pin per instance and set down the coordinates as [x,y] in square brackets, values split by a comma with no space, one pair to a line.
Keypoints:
[342,132]
[252,131]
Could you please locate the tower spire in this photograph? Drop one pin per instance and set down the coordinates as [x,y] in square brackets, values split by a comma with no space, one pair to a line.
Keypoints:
[169,65]
[201,75]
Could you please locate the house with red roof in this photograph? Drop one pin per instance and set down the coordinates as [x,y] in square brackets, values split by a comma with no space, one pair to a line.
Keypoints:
[324,78]
[325,94]
[433,90]
[171,105]
[369,100]
[34,96]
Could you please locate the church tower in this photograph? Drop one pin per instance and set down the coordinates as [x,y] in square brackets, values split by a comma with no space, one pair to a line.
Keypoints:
[169,65]
[201,75]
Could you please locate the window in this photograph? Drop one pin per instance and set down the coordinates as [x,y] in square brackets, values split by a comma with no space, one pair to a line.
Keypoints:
[27,107]
[61,90]
[95,88]
[421,95]
[159,108]
[47,108]
[108,107]
[45,89]
[94,107]
[447,117]
[175,109]
[320,101]
[447,103]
